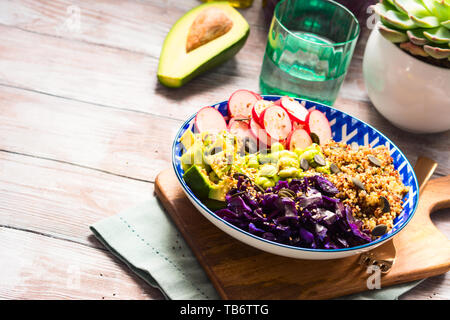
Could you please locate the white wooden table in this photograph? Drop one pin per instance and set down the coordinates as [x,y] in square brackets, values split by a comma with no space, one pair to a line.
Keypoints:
[85,127]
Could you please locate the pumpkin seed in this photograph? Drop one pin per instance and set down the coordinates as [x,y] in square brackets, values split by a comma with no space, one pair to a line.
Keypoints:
[358,183]
[304,164]
[319,160]
[384,203]
[379,230]
[238,174]
[314,138]
[355,146]
[237,194]
[334,168]
[374,160]
[259,188]
[286,193]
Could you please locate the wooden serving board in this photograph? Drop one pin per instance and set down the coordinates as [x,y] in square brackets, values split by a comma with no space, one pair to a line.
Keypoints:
[239,271]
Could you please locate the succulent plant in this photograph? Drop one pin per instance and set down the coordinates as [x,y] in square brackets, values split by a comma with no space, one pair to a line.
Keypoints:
[420,27]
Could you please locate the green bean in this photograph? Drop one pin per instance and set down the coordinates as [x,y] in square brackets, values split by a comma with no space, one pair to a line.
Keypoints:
[287,173]
[267,170]
[276,147]
[286,162]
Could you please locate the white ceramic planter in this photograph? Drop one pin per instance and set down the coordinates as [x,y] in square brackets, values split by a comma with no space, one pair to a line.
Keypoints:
[413,95]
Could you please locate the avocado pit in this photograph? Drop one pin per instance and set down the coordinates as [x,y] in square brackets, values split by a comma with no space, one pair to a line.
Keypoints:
[210,24]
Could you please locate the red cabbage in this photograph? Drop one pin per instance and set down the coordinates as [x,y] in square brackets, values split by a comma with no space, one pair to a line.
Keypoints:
[311,217]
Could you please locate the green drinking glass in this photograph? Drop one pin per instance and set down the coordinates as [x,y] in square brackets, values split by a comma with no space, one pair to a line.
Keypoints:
[309,48]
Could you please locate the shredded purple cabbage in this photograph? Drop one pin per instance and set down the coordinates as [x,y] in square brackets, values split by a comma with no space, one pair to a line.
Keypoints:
[312,218]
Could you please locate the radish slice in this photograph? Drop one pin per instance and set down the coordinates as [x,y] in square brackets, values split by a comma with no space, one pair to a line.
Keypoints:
[260,134]
[299,139]
[318,123]
[296,110]
[241,103]
[277,103]
[258,108]
[276,122]
[297,125]
[210,120]
[258,96]
[239,128]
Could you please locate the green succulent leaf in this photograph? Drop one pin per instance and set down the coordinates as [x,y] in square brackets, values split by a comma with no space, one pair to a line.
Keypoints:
[420,27]
[412,8]
[438,8]
[442,9]
[416,37]
[429,4]
[425,22]
[413,49]
[446,24]
[438,35]
[437,52]
[381,8]
[398,20]
[393,35]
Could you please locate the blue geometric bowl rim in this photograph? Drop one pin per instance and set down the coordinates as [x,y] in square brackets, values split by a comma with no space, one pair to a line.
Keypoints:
[370,244]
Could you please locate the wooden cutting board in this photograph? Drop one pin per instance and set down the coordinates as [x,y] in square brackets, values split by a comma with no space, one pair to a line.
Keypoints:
[239,271]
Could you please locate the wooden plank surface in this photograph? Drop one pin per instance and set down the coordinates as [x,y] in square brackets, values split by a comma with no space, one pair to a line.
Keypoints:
[85,127]
[60,199]
[125,143]
[39,267]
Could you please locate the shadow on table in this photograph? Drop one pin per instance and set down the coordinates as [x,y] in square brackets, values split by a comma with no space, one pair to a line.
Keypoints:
[204,83]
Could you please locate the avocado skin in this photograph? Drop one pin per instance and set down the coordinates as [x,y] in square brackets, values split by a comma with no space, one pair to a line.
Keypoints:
[197,181]
[201,187]
[209,64]
[215,205]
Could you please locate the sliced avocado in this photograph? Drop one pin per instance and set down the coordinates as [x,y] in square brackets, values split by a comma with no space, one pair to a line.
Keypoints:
[194,155]
[204,189]
[221,142]
[219,191]
[187,139]
[215,146]
[193,46]
[220,163]
[197,181]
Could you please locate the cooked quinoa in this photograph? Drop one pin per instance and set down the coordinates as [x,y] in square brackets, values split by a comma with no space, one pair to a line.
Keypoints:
[378,181]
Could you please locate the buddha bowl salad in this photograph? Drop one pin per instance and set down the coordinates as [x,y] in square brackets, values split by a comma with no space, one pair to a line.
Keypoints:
[273,170]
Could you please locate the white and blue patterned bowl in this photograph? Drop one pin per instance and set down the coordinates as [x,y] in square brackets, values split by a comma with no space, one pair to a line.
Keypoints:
[346,129]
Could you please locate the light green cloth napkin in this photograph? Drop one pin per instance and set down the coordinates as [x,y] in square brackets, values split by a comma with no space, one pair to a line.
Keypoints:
[147,241]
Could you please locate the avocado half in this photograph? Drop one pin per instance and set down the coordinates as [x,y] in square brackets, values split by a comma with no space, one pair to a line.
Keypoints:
[177,66]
